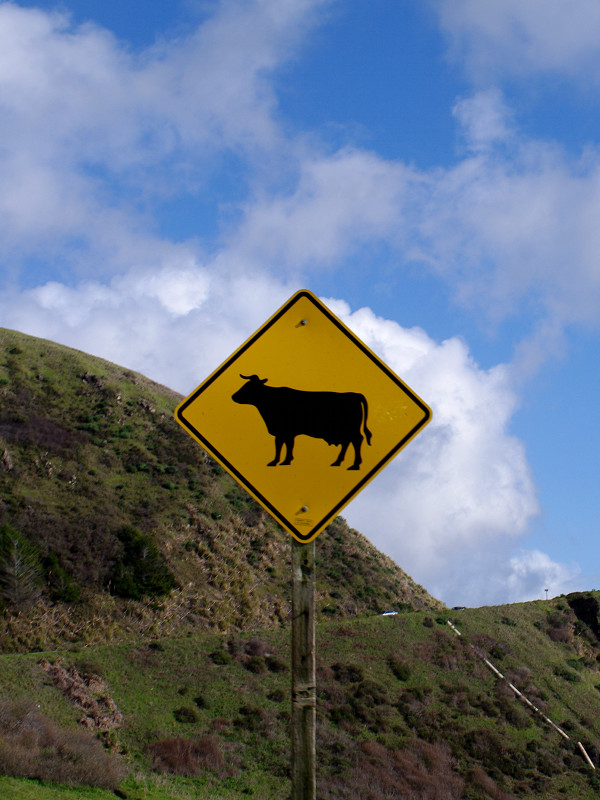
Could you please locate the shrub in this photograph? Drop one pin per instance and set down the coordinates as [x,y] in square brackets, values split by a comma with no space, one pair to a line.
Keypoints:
[422,771]
[185,757]
[252,718]
[347,673]
[220,657]
[256,664]
[371,693]
[275,665]
[186,714]
[141,570]
[256,647]
[19,568]
[59,581]
[399,667]
[33,747]
[567,674]
[562,634]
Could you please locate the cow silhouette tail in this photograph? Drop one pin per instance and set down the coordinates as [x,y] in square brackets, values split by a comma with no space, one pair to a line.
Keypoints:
[365,408]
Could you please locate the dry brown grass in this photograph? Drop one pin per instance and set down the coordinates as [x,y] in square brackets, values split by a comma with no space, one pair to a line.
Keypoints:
[32,746]
[422,771]
[186,757]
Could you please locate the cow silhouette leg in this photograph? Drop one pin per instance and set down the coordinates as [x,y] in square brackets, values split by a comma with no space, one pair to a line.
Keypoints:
[289,452]
[280,441]
[356,443]
[341,456]
[278,446]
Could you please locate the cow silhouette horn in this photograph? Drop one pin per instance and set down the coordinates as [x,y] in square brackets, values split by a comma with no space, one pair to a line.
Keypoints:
[251,377]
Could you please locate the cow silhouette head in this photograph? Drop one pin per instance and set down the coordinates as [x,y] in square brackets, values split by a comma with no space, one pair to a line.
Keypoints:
[248,392]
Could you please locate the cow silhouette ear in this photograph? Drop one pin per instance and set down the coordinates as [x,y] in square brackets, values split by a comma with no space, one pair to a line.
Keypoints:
[264,380]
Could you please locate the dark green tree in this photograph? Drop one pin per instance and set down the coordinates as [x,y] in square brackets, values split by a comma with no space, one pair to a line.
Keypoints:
[19,568]
[141,569]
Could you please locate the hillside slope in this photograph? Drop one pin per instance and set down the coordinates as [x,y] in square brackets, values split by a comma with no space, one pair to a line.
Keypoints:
[406,708]
[114,522]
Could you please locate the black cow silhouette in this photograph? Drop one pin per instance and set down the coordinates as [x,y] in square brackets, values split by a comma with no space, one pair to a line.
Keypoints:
[336,417]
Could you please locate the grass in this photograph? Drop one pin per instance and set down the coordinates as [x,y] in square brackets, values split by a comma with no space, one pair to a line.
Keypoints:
[370,721]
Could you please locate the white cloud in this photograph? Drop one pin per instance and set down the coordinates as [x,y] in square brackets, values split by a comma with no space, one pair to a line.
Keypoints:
[463,485]
[515,37]
[532,572]
[93,134]
[339,201]
[514,223]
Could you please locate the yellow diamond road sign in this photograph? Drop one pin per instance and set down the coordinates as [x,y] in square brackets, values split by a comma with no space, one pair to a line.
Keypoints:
[303,415]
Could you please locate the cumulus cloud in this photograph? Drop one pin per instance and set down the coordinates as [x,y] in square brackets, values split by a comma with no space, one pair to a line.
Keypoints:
[93,133]
[514,222]
[520,38]
[532,572]
[462,485]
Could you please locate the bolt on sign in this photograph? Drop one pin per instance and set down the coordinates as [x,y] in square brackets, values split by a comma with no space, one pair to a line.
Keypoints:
[303,415]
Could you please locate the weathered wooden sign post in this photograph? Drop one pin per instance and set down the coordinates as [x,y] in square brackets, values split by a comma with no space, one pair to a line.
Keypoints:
[302,384]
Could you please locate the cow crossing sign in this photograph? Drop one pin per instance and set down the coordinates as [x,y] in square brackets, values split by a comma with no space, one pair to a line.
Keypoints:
[303,415]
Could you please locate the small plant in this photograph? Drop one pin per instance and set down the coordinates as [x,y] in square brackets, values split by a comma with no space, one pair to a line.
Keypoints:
[347,673]
[275,665]
[185,757]
[256,664]
[399,668]
[221,657]
[186,714]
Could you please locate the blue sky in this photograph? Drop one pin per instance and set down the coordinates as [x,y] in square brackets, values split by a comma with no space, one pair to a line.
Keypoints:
[171,173]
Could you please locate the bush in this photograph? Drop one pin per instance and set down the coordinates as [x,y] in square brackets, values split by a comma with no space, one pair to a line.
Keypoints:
[185,757]
[257,665]
[19,568]
[252,719]
[399,667]
[141,569]
[220,657]
[347,673]
[275,665]
[33,747]
[59,581]
[186,714]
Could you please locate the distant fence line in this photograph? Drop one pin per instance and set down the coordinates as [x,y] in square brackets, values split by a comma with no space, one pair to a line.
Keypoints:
[522,697]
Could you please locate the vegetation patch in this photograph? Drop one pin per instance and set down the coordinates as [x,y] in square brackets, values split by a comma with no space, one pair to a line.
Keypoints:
[32,746]
[187,757]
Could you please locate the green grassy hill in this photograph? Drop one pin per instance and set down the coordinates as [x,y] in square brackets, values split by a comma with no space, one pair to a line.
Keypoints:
[114,522]
[406,709]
